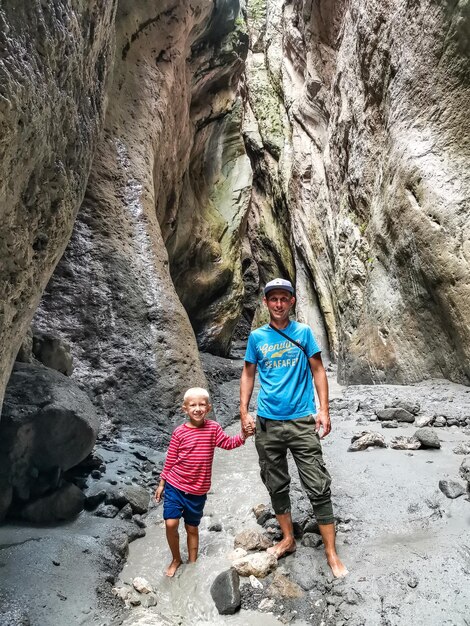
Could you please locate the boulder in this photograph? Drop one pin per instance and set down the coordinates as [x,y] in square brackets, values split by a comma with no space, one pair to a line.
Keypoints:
[427,437]
[225,591]
[252,540]
[398,414]
[451,488]
[440,421]
[48,425]
[366,440]
[260,564]
[63,504]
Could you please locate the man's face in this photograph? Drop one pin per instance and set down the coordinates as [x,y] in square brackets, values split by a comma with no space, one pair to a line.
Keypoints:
[279,303]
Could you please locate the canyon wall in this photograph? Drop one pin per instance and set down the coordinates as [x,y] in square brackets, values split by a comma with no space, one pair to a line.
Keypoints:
[54,64]
[169,169]
[361,116]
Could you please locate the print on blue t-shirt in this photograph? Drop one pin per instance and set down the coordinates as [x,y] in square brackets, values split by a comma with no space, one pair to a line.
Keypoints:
[285,378]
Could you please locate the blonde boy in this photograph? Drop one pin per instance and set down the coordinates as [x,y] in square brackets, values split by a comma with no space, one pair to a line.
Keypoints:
[186,475]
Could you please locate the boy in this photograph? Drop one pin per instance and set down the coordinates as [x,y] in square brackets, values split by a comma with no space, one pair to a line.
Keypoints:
[186,475]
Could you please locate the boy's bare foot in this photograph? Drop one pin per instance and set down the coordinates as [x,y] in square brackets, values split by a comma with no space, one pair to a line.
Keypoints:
[283,548]
[337,567]
[171,569]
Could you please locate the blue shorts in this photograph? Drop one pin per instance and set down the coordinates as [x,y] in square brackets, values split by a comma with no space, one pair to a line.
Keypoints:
[177,504]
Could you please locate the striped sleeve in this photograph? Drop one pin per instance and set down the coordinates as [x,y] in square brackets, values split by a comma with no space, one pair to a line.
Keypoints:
[222,440]
[171,455]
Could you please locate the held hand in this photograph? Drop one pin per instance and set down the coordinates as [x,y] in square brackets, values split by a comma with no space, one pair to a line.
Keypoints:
[248,425]
[323,422]
[159,493]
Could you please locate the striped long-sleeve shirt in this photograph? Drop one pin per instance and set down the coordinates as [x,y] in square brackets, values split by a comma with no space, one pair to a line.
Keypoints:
[188,464]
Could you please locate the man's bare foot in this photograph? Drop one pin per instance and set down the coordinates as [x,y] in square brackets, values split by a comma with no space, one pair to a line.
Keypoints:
[171,569]
[283,548]
[336,565]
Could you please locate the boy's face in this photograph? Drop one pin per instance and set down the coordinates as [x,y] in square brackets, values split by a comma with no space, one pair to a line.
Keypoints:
[196,408]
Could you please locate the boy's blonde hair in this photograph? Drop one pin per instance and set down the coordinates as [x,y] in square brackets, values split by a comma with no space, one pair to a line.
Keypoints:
[196,392]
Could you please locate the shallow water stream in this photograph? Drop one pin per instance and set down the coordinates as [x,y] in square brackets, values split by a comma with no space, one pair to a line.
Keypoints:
[186,599]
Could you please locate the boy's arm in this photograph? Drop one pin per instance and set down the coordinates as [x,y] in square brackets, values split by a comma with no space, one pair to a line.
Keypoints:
[222,440]
[159,491]
[171,455]
[247,383]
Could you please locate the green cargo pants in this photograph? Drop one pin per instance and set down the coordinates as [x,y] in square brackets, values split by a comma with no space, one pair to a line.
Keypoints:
[273,439]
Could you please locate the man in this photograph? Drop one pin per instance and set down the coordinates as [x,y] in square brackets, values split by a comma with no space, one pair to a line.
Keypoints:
[287,357]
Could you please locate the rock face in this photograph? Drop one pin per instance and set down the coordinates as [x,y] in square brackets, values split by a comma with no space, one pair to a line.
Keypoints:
[170,169]
[48,425]
[357,127]
[54,63]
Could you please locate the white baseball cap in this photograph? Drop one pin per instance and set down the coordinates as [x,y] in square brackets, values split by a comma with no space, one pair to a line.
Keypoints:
[278,283]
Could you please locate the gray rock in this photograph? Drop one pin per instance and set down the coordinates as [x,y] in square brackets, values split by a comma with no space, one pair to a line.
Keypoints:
[282,587]
[411,407]
[440,421]
[311,540]
[48,424]
[405,443]
[216,527]
[251,539]
[148,600]
[451,488]
[258,564]
[225,591]
[52,352]
[427,437]
[106,510]
[462,448]
[93,498]
[63,504]
[137,497]
[424,420]
[366,440]
[398,414]
[393,424]
[464,469]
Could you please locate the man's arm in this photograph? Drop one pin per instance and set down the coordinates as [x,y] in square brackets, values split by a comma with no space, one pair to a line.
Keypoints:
[321,385]
[247,382]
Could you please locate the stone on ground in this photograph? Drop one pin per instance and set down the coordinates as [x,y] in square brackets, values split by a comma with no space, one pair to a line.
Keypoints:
[411,407]
[405,443]
[398,414]
[464,469]
[142,585]
[451,488]
[252,540]
[366,440]
[427,437]
[282,587]
[225,591]
[462,448]
[259,564]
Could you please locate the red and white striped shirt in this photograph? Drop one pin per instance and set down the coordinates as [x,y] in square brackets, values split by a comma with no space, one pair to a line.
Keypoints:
[188,464]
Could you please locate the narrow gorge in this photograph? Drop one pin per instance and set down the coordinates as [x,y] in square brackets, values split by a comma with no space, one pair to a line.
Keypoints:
[161,160]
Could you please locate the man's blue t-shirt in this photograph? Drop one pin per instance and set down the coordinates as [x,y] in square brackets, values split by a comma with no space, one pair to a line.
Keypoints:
[284,372]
